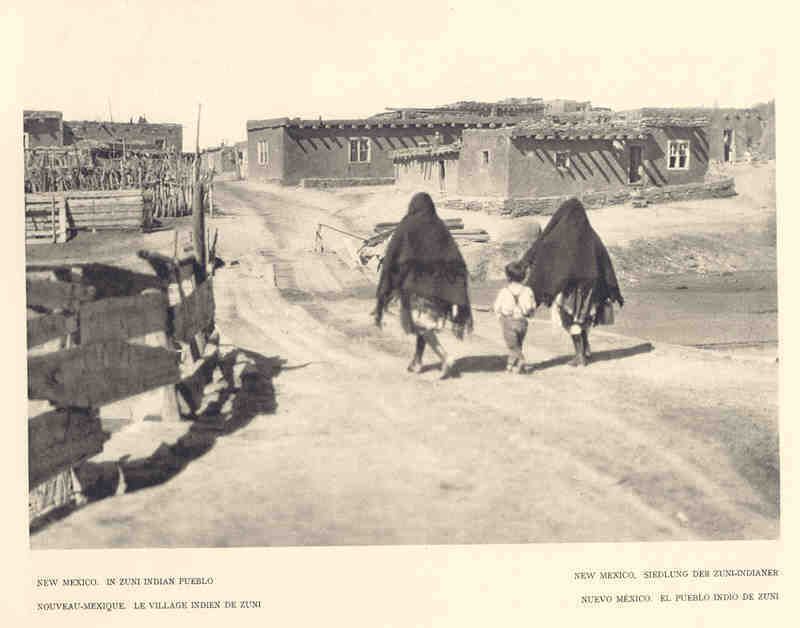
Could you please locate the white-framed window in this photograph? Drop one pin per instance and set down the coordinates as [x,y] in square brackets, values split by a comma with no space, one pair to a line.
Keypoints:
[678,155]
[360,150]
[562,160]
[262,148]
[485,157]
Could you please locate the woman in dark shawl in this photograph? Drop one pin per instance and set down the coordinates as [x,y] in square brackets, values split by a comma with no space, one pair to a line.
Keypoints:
[569,266]
[425,271]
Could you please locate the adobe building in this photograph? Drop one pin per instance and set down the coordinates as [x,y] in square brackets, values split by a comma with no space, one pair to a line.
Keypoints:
[222,160]
[545,158]
[532,166]
[734,135]
[523,108]
[346,152]
[432,169]
[48,129]
[563,105]
[42,128]
[135,135]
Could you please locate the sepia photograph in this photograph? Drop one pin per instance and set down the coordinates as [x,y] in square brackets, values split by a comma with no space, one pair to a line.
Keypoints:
[396,274]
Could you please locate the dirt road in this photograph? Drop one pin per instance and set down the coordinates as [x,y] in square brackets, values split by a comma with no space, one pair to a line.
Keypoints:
[650,442]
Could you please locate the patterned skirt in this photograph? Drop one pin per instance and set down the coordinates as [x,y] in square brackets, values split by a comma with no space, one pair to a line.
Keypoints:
[424,314]
[577,308]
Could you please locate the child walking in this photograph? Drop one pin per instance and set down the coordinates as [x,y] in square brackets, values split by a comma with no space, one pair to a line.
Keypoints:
[514,305]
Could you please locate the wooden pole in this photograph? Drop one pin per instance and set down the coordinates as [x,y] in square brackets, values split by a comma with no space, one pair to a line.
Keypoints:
[198,213]
[53,218]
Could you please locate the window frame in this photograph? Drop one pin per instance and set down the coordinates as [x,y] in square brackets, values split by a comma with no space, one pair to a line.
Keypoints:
[567,159]
[358,141]
[677,165]
[262,152]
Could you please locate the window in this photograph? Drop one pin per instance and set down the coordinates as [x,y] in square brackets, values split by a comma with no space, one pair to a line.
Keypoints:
[562,160]
[360,150]
[678,155]
[485,157]
[262,148]
[160,144]
[26,140]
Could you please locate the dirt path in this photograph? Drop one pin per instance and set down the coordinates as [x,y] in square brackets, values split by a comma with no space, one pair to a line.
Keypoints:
[648,443]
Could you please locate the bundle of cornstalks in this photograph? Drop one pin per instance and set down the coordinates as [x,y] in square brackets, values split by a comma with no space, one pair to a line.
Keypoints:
[167,177]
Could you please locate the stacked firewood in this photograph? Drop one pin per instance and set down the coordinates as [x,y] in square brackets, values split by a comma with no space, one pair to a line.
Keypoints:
[167,177]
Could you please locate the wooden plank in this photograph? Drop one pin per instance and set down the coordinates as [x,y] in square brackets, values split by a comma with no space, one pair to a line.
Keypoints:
[43,197]
[60,439]
[57,295]
[62,223]
[48,326]
[195,313]
[106,222]
[128,226]
[120,318]
[75,204]
[82,194]
[95,374]
[106,210]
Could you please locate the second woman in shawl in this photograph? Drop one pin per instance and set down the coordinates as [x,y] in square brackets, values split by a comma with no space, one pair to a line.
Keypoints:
[425,271]
[571,269]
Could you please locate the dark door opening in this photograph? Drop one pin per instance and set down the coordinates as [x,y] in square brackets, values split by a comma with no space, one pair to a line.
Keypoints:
[635,167]
[442,181]
[727,146]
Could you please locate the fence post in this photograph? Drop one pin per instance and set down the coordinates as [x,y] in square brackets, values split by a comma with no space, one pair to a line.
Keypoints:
[53,218]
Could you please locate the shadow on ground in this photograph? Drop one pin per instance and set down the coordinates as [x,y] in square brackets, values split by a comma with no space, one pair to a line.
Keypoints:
[497,363]
[250,394]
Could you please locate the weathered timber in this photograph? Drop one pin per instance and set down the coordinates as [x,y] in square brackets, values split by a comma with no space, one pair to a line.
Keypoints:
[195,313]
[121,318]
[125,201]
[95,374]
[45,327]
[57,295]
[60,439]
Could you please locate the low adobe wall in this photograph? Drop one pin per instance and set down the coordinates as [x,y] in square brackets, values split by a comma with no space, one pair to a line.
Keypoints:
[547,205]
[342,182]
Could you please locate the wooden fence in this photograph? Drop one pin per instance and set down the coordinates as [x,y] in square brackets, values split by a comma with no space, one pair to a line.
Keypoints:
[97,334]
[53,216]
[167,178]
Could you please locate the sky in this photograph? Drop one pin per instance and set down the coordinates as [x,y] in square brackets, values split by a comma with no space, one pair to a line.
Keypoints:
[117,59]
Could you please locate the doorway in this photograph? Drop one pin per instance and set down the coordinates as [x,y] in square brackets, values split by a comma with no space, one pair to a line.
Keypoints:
[728,146]
[635,164]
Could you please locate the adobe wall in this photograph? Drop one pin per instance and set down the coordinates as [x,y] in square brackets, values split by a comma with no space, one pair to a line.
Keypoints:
[43,131]
[325,153]
[135,134]
[477,178]
[273,170]
[423,174]
[547,205]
